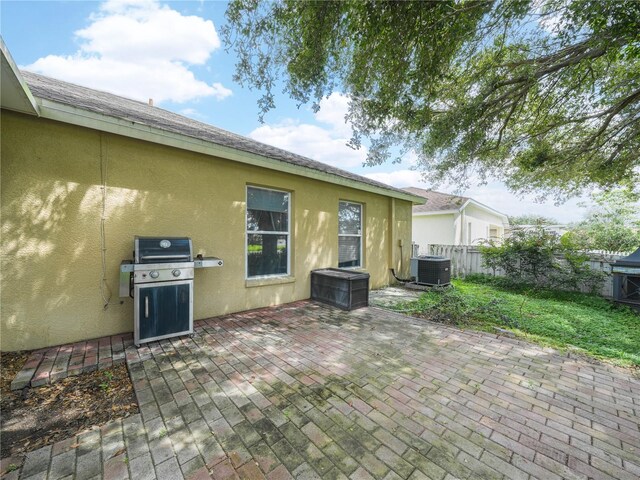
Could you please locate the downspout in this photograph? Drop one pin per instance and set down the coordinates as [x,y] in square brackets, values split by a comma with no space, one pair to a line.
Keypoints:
[392,233]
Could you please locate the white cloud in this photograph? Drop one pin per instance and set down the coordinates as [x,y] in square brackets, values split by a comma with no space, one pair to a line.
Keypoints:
[158,80]
[140,50]
[193,113]
[399,178]
[142,31]
[311,141]
[333,111]
[327,145]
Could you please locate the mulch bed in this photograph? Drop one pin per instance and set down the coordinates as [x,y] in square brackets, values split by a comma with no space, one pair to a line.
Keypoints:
[34,417]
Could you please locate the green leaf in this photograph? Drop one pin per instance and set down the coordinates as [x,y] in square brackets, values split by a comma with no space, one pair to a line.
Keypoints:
[543,95]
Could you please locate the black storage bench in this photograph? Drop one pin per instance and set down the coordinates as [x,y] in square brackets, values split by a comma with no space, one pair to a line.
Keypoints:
[344,289]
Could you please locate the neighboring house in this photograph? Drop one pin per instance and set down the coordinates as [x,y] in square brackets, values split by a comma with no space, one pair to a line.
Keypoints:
[84,171]
[453,220]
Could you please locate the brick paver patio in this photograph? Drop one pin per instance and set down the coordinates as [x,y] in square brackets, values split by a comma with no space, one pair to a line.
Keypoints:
[308,391]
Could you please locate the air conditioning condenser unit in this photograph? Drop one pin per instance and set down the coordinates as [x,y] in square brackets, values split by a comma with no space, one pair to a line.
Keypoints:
[431,270]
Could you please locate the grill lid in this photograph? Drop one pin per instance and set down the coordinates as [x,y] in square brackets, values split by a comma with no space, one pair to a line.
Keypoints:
[632,260]
[162,249]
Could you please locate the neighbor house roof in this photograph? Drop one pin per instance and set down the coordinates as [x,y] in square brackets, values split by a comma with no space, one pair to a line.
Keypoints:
[66,102]
[438,202]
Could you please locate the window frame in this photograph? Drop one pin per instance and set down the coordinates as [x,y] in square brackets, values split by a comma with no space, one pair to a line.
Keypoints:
[361,235]
[266,232]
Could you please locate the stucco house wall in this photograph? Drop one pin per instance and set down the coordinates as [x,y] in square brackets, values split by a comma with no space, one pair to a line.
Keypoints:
[482,222]
[446,219]
[52,178]
[433,229]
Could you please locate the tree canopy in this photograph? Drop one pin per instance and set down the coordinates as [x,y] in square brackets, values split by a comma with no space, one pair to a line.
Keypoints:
[612,224]
[542,94]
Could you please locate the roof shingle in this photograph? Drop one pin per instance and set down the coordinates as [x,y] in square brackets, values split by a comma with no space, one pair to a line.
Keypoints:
[436,201]
[139,112]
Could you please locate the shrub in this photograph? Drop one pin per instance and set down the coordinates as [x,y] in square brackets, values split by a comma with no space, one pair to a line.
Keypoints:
[451,306]
[613,224]
[538,258]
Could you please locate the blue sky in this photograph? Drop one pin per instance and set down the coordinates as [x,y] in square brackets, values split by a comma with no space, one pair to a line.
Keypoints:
[171,52]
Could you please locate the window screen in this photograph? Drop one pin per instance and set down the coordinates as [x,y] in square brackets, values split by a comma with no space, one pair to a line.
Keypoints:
[349,234]
[267,232]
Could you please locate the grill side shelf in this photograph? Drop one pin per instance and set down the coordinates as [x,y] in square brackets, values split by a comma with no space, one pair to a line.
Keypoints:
[208,262]
[126,269]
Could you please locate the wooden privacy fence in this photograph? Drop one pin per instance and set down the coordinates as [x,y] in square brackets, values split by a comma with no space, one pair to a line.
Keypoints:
[468,259]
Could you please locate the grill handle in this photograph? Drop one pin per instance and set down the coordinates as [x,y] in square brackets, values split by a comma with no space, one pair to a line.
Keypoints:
[146,306]
[166,257]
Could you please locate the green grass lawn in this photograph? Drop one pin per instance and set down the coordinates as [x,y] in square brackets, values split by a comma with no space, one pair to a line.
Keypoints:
[561,320]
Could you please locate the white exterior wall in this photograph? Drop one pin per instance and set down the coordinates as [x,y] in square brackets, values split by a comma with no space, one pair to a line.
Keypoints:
[433,229]
[481,222]
[455,228]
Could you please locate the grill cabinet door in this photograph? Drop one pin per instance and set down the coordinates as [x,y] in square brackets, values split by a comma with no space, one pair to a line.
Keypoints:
[163,310]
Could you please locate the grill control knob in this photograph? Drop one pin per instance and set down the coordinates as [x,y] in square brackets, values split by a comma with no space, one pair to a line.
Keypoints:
[176,273]
[154,274]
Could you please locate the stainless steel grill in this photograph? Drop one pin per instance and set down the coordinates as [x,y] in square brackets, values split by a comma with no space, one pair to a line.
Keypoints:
[160,281]
[626,279]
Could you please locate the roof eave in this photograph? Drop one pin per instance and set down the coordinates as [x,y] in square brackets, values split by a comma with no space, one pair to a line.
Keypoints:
[504,217]
[84,118]
[14,91]
[435,212]
[464,205]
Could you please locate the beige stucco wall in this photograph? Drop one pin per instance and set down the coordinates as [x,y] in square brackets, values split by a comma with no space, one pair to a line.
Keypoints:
[52,204]
[433,230]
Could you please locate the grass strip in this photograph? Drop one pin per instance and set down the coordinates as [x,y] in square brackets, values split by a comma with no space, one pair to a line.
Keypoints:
[562,320]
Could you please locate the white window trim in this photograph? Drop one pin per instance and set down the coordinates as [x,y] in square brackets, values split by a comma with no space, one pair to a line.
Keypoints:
[263,232]
[352,234]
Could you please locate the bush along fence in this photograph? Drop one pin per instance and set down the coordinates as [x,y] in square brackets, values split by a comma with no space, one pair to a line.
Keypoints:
[466,260]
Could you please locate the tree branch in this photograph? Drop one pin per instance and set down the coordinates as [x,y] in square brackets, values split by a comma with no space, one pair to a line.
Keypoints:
[613,111]
[574,60]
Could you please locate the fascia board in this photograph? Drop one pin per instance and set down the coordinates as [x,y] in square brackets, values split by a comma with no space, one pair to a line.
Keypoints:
[484,207]
[14,86]
[436,212]
[464,205]
[83,118]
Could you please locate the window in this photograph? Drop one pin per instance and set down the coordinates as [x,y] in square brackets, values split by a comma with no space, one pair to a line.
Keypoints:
[267,232]
[349,235]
